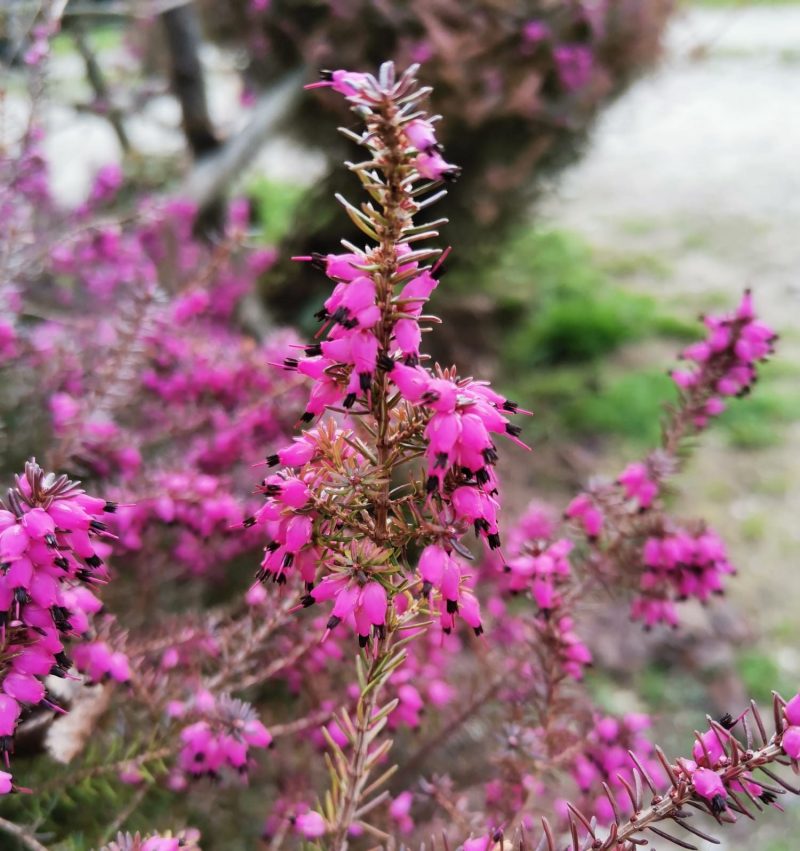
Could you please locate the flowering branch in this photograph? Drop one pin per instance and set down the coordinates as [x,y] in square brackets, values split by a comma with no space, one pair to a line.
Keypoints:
[713,781]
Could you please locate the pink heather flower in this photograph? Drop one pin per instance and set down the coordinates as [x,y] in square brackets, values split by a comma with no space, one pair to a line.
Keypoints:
[347,83]
[790,742]
[9,714]
[310,824]
[708,784]
[6,783]
[432,166]
[711,746]
[400,811]
[792,711]
[574,63]
[638,485]
[421,135]
[479,843]
[534,32]
[582,508]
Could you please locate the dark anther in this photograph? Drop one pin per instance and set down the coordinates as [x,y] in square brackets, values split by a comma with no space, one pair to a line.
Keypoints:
[481,525]
[432,484]
[506,568]
[452,607]
[60,561]
[718,805]
[313,350]
[513,430]
[363,640]
[478,630]
[94,560]
[318,260]
[290,363]
[494,541]
[98,526]
[441,460]
[307,601]
[110,507]
[326,75]
[768,797]
[427,587]
[490,455]
[272,546]
[248,522]
[21,596]
[333,622]
[51,541]
[349,400]
[411,360]
[727,721]
[364,381]
[482,476]
[510,406]
[385,362]
[288,558]
[321,315]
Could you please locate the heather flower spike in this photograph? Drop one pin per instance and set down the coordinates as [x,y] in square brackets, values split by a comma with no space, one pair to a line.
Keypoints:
[347,536]
[334,523]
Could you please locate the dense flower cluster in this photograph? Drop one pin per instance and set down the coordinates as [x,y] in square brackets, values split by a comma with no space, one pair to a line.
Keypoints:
[219,740]
[725,363]
[50,555]
[679,565]
[165,397]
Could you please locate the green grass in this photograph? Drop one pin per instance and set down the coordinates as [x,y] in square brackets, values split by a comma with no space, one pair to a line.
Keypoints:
[275,205]
[761,674]
[103,37]
[565,307]
[629,407]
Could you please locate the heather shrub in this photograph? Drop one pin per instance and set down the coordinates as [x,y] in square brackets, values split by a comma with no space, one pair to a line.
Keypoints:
[351,648]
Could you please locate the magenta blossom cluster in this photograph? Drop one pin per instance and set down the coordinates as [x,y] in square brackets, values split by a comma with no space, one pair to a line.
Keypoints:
[724,364]
[791,734]
[50,553]
[679,564]
[219,740]
[606,758]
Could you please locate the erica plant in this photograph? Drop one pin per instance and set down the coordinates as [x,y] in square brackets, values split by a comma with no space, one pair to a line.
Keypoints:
[370,515]
[465,715]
